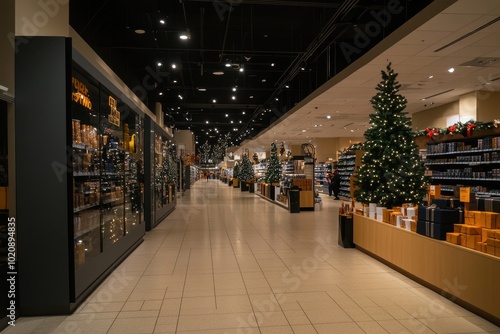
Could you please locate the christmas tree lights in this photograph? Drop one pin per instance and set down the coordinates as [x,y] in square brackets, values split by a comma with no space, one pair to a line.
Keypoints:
[246,172]
[273,173]
[391,173]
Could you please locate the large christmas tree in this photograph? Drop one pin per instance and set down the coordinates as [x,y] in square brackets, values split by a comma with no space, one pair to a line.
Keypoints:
[246,170]
[391,173]
[273,173]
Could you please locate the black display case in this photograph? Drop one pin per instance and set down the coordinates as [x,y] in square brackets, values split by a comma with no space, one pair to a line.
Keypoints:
[79,181]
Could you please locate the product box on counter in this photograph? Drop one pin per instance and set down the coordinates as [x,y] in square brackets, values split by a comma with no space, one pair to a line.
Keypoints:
[453,237]
[386,215]
[433,230]
[447,203]
[438,215]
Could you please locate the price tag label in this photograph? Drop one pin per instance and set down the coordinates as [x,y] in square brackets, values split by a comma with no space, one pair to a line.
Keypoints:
[465,194]
[432,191]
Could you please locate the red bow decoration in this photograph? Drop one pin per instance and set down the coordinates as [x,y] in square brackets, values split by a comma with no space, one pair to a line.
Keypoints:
[452,129]
[470,128]
[431,133]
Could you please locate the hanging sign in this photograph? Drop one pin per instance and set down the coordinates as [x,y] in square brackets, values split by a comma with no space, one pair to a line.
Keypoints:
[114,114]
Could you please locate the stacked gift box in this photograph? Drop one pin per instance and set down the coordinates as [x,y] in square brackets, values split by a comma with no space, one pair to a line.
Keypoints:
[491,204]
[403,217]
[435,222]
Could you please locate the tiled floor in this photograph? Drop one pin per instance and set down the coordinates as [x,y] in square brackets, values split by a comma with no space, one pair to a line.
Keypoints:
[227,262]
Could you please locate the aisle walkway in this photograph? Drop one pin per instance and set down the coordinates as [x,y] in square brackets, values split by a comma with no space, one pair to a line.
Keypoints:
[227,262]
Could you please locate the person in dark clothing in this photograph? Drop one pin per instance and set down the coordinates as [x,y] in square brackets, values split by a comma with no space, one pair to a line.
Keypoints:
[334,186]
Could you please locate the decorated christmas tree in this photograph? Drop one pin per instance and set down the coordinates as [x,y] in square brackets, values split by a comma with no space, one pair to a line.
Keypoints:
[246,170]
[236,171]
[273,173]
[391,173]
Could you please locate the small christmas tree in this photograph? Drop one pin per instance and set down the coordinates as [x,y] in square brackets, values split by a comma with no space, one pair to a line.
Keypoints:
[273,173]
[236,171]
[391,173]
[246,171]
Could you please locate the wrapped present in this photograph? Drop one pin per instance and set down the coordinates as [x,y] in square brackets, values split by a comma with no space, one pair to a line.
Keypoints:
[447,203]
[399,221]
[393,217]
[490,242]
[453,237]
[491,204]
[491,220]
[469,217]
[386,215]
[472,240]
[411,212]
[373,215]
[472,230]
[380,212]
[372,207]
[437,215]
[458,228]
[433,230]
[490,250]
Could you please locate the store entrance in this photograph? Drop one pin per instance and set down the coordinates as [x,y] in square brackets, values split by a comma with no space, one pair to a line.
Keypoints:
[4,214]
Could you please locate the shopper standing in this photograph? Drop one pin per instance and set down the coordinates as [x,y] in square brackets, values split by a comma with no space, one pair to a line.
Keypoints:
[335,184]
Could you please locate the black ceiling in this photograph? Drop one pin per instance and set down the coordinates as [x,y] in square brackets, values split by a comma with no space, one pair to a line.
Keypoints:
[278,51]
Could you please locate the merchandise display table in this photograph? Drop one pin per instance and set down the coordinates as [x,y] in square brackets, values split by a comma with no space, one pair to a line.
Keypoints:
[470,278]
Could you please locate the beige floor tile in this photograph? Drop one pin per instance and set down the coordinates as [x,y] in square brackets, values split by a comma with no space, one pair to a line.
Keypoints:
[277,330]
[149,294]
[371,327]
[216,321]
[339,328]
[304,329]
[133,305]
[85,327]
[102,307]
[133,326]
[138,314]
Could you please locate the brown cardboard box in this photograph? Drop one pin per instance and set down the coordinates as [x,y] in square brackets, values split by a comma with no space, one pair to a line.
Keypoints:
[497,234]
[471,230]
[497,251]
[453,238]
[479,218]
[492,234]
[490,242]
[497,243]
[469,217]
[472,240]
[413,226]
[483,245]
[458,228]
[490,250]
[484,234]
[479,246]
[491,220]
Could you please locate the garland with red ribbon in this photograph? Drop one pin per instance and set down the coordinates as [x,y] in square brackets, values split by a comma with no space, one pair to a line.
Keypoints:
[431,133]
[466,129]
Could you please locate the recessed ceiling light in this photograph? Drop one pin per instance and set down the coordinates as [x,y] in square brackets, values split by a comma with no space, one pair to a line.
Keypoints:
[264,80]
[303,130]
[202,89]
[183,36]
[241,69]
[232,122]
[160,93]
[180,97]
[233,97]
[218,73]
[287,86]
[228,64]
[302,69]
[352,130]
[451,70]
[240,122]
[140,31]
[243,112]
[328,117]
[214,101]
[431,76]
[175,81]
[227,115]
[159,63]
[277,99]
[234,89]
[162,21]
[206,122]
[174,66]
[251,96]
[272,64]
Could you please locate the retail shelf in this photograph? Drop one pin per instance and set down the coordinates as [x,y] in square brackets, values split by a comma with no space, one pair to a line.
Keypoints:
[463,152]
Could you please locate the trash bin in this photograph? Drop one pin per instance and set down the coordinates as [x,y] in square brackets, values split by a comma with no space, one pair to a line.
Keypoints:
[346,234]
[294,200]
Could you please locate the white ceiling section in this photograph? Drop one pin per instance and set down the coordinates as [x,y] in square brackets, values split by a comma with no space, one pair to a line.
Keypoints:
[427,45]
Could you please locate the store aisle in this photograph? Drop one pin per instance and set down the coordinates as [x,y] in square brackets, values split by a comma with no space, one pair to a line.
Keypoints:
[227,262]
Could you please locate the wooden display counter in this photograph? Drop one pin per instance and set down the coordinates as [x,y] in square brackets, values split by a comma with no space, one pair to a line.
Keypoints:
[468,277]
[306,199]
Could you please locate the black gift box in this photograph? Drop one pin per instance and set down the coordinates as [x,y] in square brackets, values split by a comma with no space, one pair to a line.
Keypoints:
[437,215]
[491,204]
[447,203]
[434,230]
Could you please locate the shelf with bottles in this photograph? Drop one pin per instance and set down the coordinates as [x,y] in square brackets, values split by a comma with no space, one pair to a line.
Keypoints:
[348,162]
[471,161]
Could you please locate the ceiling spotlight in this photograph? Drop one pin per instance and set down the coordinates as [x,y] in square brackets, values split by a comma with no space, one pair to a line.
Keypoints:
[218,73]
[272,64]
[287,86]
[451,70]
[303,130]
[241,69]
[431,76]
[243,113]
[227,115]
[160,93]
[162,21]
[202,89]
[276,99]
[174,66]
[206,122]
[140,31]
[251,96]
[240,122]
[302,69]
[232,122]
[328,117]
[264,80]
[180,96]
[159,63]
[184,36]
[233,97]
[234,89]
[352,130]
[228,64]
[214,101]
[175,81]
